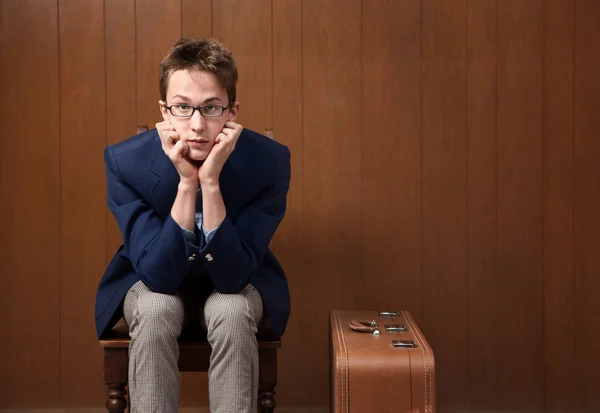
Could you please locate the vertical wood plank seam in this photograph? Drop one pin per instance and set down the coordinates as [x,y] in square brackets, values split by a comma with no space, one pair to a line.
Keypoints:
[421,172]
[60,196]
[574,206]
[363,263]
[496,253]
[542,215]
[272,123]
[105,126]
[466,213]
[135,42]
[496,110]
[106,211]
[302,124]
[302,121]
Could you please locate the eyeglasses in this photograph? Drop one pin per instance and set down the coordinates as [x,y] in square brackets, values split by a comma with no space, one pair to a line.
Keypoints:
[187,111]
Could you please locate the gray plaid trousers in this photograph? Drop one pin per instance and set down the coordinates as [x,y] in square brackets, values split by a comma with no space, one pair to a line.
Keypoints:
[155,322]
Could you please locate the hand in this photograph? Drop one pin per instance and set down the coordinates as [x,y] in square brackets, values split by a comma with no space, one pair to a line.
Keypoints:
[176,150]
[225,142]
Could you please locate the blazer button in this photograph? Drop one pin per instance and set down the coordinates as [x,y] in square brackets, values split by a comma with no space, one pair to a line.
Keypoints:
[208,257]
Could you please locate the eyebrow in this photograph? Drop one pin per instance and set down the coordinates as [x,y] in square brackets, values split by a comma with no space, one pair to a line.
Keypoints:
[209,100]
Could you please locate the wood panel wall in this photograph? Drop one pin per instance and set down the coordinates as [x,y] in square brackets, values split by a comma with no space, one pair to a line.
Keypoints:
[445,160]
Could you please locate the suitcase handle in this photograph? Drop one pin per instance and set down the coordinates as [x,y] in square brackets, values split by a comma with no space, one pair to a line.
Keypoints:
[365,326]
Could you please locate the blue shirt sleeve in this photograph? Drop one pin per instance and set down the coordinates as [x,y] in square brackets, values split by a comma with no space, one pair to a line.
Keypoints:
[209,234]
[190,237]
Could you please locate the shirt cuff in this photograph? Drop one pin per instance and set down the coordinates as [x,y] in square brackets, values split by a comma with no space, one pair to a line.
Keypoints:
[209,234]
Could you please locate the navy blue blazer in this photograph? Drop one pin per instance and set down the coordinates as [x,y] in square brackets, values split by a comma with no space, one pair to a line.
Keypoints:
[142,185]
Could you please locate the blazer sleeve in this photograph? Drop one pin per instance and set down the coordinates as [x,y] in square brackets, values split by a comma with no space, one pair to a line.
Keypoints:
[157,248]
[235,251]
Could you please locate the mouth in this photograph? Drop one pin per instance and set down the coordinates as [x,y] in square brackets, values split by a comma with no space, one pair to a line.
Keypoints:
[197,143]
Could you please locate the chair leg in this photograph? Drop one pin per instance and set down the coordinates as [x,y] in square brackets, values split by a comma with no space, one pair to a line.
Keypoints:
[267,380]
[116,362]
[116,402]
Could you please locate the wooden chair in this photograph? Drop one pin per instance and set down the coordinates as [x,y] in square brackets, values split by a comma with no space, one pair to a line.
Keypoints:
[194,355]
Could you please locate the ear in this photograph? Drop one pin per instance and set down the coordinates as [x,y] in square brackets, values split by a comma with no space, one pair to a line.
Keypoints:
[233,110]
[163,110]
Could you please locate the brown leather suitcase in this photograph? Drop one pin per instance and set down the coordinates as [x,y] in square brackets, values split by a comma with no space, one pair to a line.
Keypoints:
[379,362]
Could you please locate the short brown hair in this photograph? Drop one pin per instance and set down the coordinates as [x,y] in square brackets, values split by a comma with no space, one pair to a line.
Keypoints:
[205,55]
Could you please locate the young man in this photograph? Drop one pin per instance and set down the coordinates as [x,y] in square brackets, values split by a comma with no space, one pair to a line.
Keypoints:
[197,200]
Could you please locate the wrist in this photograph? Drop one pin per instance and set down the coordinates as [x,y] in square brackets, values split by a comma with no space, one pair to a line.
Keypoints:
[187,186]
[209,187]
[209,183]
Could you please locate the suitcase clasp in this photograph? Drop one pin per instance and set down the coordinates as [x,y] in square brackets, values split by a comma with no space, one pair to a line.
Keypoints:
[388,313]
[404,343]
[396,328]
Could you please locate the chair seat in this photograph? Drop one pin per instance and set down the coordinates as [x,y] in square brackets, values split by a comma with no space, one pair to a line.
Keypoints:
[118,337]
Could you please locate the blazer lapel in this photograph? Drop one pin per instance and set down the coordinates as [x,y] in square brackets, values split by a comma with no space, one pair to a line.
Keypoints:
[232,180]
[164,188]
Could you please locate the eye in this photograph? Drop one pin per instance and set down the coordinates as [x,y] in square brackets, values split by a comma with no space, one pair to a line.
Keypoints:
[211,108]
[183,107]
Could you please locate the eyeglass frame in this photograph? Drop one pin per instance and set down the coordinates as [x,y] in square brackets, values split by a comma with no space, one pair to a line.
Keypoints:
[197,108]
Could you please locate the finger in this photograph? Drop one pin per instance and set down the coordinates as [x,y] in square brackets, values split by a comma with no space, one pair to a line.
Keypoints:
[168,139]
[169,128]
[178,151]
[174,136]
[228,140]
[164,125]
[181,147]
[227,131]
[232,131]
[224,143]
[233,125]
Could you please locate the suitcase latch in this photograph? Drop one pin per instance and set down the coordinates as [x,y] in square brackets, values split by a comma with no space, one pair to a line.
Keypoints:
[395,328]
[404,343]
[388,313]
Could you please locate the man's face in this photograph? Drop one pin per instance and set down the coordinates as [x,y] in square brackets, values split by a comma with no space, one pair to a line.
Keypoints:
[192,89]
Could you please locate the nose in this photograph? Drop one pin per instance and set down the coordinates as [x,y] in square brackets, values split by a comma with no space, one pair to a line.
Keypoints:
[197,121]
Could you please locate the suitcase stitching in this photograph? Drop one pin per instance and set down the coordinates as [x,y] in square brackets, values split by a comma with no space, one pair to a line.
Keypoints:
[428,370]
[346,393]
[344,353]
[428,364]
